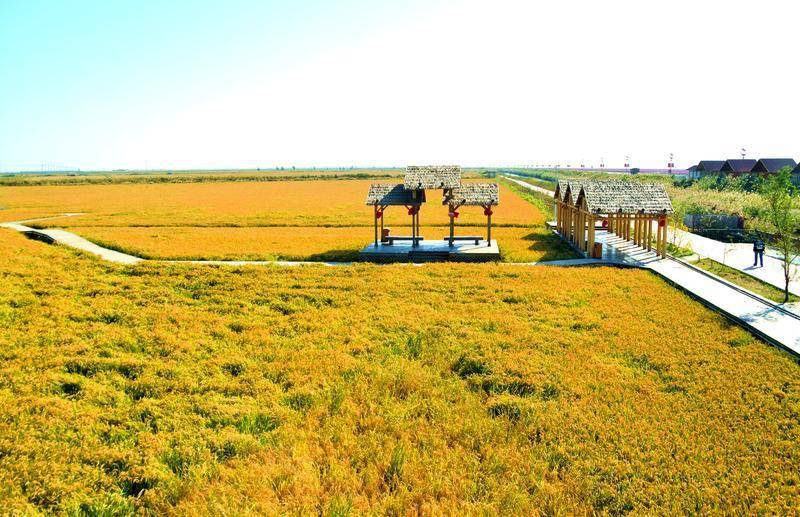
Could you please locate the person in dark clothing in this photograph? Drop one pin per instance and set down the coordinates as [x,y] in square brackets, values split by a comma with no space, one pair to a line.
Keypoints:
[758,251]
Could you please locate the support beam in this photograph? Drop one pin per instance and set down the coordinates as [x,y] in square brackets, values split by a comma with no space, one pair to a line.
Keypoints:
[376,225]
[452,224]
[383,211]
[489,227]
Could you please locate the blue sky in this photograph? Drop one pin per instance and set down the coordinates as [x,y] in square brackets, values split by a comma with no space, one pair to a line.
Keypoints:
[197,84]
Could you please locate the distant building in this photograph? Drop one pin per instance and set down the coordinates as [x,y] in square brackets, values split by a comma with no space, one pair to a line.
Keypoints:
[737,167]
[773,165]
[707,167]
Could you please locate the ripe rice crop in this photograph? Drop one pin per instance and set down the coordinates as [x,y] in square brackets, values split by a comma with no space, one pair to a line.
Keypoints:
[281,203]
[448,388]
[288,220]
[300,243]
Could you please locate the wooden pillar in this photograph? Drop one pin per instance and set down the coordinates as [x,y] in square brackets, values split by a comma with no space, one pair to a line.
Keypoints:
[489,227]
[376,225]
[659,238]
[383,210]
[560,213]
[569,223]
[452,224]
[649,233]
[416,219]
[586,223]
[638,226]
[413,228]
[666,237]
[590,243]
[627,227]
[622,232]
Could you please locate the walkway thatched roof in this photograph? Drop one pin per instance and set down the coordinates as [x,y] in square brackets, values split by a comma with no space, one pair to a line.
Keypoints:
[568,190]
[392,195]
[625,197]
[474,194]
[432,176]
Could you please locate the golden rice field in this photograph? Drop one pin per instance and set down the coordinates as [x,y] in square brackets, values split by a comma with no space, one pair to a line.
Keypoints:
[518,244]
[179,389]
[284,220]
[280,203]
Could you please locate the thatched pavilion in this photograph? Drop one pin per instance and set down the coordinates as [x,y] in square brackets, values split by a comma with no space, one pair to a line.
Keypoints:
[382,196]
[411,194]
[628,209]
[485,195]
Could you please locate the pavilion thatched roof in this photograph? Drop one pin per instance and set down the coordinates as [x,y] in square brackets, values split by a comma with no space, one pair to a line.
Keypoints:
[420,177]
[625,197]
[474,194]
[385,194]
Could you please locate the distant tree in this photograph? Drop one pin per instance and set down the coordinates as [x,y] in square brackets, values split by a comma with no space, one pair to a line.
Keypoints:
[751,182]
[783,221]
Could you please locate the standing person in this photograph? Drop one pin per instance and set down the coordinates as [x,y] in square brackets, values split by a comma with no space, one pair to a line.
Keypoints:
[758,252]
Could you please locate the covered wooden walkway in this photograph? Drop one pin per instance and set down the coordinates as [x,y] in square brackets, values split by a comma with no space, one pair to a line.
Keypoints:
[636,212]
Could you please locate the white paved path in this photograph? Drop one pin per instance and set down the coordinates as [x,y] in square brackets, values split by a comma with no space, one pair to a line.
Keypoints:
[740,256]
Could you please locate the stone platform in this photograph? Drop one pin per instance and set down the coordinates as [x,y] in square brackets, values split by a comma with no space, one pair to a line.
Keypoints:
[432,251]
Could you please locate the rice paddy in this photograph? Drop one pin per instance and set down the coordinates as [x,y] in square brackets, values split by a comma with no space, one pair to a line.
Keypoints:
[281,220]
[174,389]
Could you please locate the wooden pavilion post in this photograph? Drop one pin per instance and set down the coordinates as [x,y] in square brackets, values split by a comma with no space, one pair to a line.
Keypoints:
[452,223]
[414,208]
[416,223]
[488,210]
[383,210]
[590,244]
[649,233]
[666,237]
[376,226]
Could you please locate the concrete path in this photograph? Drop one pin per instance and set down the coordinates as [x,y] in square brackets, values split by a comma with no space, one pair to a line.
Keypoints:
[77,242]
[737,256]
[776,324]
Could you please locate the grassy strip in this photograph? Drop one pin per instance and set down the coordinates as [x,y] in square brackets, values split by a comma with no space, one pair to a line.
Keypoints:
[744,280]
[540,201]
